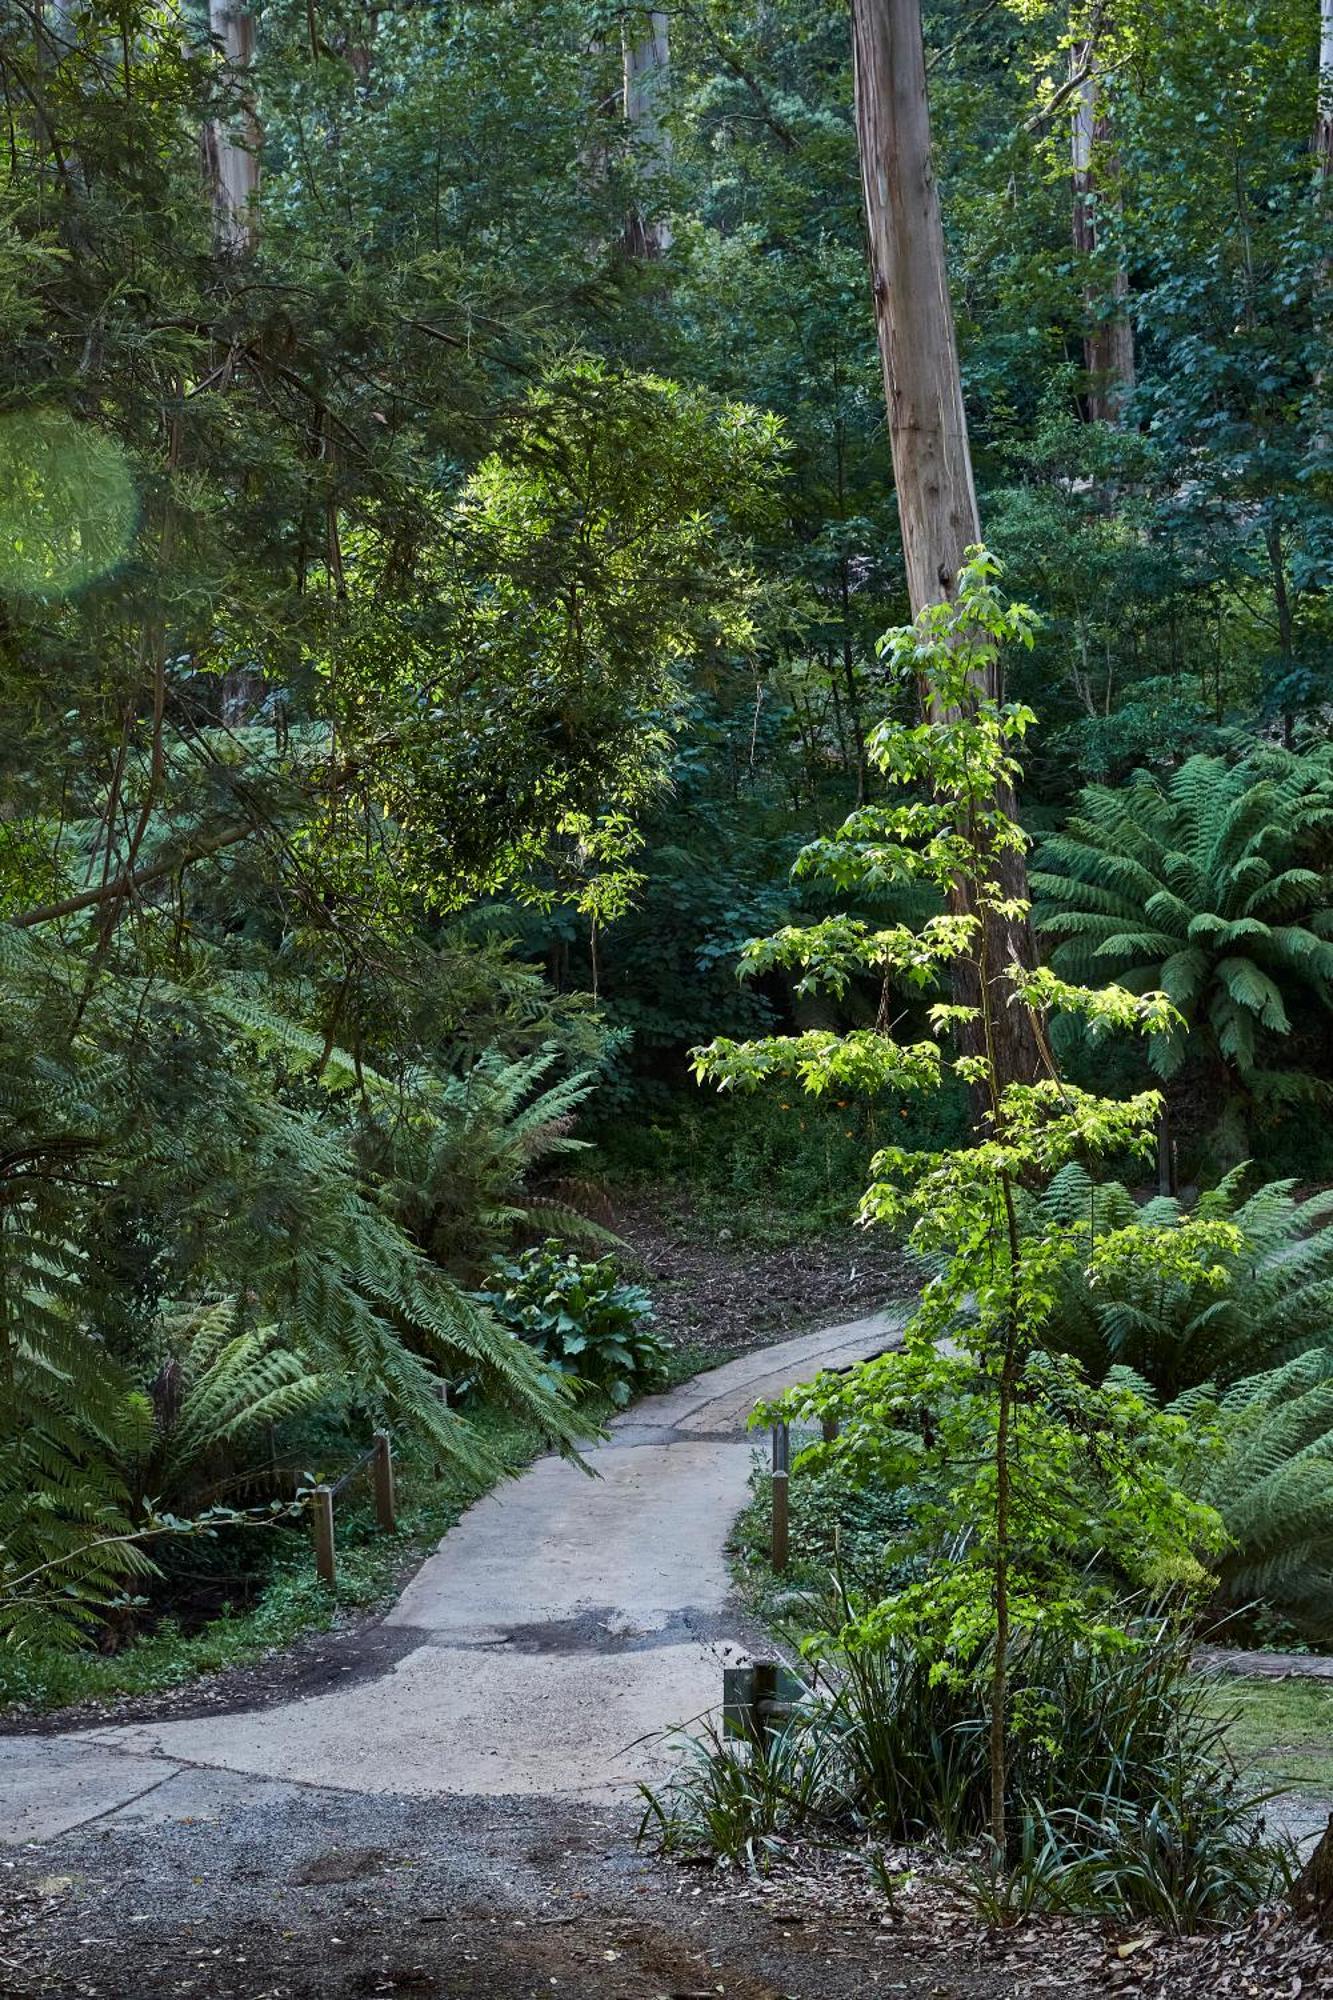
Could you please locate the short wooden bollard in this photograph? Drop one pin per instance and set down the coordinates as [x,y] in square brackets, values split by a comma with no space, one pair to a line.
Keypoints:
[381,1473]
[781,1457]
[321,1522]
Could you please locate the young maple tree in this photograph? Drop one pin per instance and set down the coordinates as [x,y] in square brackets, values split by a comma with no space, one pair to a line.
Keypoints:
[1031,1467]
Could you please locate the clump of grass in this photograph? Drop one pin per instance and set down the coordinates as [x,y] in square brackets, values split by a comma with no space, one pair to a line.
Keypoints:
[1280,1730]
[1124,1801]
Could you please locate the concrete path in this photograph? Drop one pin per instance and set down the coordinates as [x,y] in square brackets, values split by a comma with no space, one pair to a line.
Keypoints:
[557,1632]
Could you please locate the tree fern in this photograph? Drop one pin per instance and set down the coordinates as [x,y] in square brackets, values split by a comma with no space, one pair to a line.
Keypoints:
[1213,886]
[1271,1480]
[456,1164]
[176,1112]
[185,1441]
[1276,1299]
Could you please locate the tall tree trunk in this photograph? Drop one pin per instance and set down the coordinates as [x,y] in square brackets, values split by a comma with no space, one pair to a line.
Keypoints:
[232,144]
[932,461]
[1323,174]
[1108,346]
[646,59]
[1323,124]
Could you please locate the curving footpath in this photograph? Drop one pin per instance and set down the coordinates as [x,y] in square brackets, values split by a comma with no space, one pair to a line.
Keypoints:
[558,1631]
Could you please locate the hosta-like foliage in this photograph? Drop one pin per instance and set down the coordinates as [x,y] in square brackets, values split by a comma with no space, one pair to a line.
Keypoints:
[582,1318]
[1212,885]
[1268,1299]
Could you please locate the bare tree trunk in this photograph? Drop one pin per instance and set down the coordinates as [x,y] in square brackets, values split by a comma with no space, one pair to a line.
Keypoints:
[1108,346]
[932,460]
[932,463]
[232,144]
[1322,148]
[646,58]
[1313,1893]
[1323,124]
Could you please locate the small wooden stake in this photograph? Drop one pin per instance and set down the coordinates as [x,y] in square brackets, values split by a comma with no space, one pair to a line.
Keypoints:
[765,1691]
[321,1522]
[781,1451]
[381,1472]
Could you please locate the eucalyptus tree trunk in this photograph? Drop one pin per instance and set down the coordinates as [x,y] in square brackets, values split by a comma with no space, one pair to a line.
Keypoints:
[232,143]
[646,64]
[1108,346]
[937,506]
[1323,125]
[1323,159]
[932,460]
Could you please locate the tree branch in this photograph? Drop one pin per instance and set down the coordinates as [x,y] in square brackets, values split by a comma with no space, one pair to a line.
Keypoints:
[130,881]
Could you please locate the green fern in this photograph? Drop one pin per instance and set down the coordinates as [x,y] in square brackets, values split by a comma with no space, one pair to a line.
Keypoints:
[1271,1480]
[456,1169]
[167,1115]
[184,1443]
[1276,1301]
[1212,886]
[66,1552]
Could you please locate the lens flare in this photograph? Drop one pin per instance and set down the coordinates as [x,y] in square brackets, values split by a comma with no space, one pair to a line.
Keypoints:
[67,503]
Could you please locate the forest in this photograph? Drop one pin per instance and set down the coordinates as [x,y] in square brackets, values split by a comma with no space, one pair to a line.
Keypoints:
[665,677]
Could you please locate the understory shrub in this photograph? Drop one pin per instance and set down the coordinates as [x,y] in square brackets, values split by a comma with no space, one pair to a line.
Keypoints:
[581,1317]
[775,1170]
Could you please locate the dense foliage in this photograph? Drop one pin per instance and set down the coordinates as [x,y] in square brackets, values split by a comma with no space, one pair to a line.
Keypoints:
[441,597]
[1205,887]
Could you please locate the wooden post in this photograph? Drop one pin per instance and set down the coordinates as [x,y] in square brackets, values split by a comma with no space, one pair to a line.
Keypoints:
[829,1425]
[381,1473]
[442,1396]
[781,1455]
[765,1690]
[321,1522]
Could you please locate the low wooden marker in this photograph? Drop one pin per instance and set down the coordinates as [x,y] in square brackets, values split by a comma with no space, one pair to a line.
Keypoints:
[381,1473]
[321,1522]
[759,1699]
